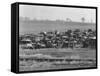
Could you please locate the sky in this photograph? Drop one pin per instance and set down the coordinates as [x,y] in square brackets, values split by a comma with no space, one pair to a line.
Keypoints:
[57,13]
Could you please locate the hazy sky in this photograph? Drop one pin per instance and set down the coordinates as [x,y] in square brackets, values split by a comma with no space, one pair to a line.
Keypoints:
[53,13]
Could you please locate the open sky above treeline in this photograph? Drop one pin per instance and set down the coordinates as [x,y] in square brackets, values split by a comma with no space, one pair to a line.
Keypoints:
[57,13]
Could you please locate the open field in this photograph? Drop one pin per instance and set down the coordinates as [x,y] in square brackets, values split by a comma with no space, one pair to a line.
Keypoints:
[69,58]
[38,26]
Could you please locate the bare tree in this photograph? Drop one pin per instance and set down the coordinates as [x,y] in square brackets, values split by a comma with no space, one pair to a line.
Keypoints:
[68,19]
[83,19]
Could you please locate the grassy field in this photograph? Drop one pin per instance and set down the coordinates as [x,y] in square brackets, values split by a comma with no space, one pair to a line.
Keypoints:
[77,53]
[36,27]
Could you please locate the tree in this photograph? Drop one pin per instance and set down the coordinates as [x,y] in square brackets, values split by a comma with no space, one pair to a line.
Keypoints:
[68,19]
[83,19]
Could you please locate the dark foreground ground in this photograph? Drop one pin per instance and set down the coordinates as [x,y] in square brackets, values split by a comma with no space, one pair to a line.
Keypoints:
[72,58]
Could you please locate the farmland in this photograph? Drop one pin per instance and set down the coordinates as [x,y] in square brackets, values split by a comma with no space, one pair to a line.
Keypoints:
[27,27]
[77,58]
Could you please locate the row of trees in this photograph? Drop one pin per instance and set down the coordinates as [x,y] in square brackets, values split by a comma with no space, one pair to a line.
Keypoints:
[67,19]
